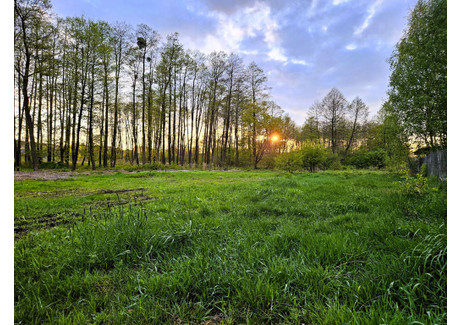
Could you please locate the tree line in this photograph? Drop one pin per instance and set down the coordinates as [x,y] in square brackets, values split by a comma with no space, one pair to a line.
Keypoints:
[92,92]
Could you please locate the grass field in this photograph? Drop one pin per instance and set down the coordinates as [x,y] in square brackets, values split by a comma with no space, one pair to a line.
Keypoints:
[229,248]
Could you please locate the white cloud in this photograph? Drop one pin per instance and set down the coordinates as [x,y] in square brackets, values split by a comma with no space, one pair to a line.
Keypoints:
[351,47]
[213,43]
[276,54]
[337,2]
[251,52]
[324,28]
[234,29]
[301,62]
[371,12]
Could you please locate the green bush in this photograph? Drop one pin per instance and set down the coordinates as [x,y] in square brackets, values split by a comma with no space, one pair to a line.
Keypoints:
[336,165]
[362,159]
[269,161]
[245,158]
[377,158]
[332,161]
[290,162]
[413,185]
[398,168]
[313,156]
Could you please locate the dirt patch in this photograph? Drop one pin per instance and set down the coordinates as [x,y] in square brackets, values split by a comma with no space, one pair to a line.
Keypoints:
[50,175]
[123,197]
[45,221]
[42,174]
[119,191]
[135,196]
[51,194]
[217,319]
[112,203]
[73,192]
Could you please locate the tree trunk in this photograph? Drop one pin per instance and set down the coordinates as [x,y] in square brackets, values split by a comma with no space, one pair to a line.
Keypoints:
[115,117]
[25,82]
[135,152]
[143,106]
[106,132]
[90,122]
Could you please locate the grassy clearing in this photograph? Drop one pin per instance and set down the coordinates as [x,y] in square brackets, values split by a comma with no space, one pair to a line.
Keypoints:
[230,248]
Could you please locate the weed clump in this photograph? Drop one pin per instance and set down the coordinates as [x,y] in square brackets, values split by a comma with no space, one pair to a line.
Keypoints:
[413,185]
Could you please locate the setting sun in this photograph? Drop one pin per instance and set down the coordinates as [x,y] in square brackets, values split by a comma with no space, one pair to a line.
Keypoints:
[274,138]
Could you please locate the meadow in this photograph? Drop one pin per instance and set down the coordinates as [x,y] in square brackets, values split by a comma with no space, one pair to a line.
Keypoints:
[229,247]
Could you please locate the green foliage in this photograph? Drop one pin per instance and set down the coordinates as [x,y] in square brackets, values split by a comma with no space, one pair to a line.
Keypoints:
[377,158]
[313,155]
[413,185]
[332,161]
[270,160]
[398,169]
[362,159]
[423,170]
[336,165]
[418,83]
[290,161]
[311,130]
[245,158]
[388,134]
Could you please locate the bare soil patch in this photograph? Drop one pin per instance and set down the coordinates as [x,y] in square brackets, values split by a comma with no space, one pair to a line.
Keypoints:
[42,174]
[45,221]
[50,175]
[74,192]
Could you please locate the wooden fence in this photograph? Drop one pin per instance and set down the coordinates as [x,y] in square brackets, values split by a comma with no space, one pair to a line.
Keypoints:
[436,164]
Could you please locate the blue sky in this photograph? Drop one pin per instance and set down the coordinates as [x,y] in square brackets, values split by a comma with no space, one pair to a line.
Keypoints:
[305,47]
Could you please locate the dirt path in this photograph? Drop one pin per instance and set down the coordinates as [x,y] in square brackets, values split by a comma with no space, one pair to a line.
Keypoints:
[41,174]
[49,175]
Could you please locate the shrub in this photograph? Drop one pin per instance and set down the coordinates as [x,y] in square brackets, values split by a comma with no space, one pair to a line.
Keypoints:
[398,168]
[336,165]
[357,159]
[413,185]
[377,158]
[313,156]
[332,161]
[290,162]
[362,159]
[269,161]
[245,158]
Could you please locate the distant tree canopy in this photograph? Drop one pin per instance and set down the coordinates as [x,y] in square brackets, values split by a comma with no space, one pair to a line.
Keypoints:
[94,92]
[418,82]
[336,123]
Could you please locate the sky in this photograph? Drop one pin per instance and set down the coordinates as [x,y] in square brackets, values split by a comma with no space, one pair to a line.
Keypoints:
[306,47]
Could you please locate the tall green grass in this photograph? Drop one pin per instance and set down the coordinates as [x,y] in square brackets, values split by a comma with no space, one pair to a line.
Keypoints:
[232,248]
